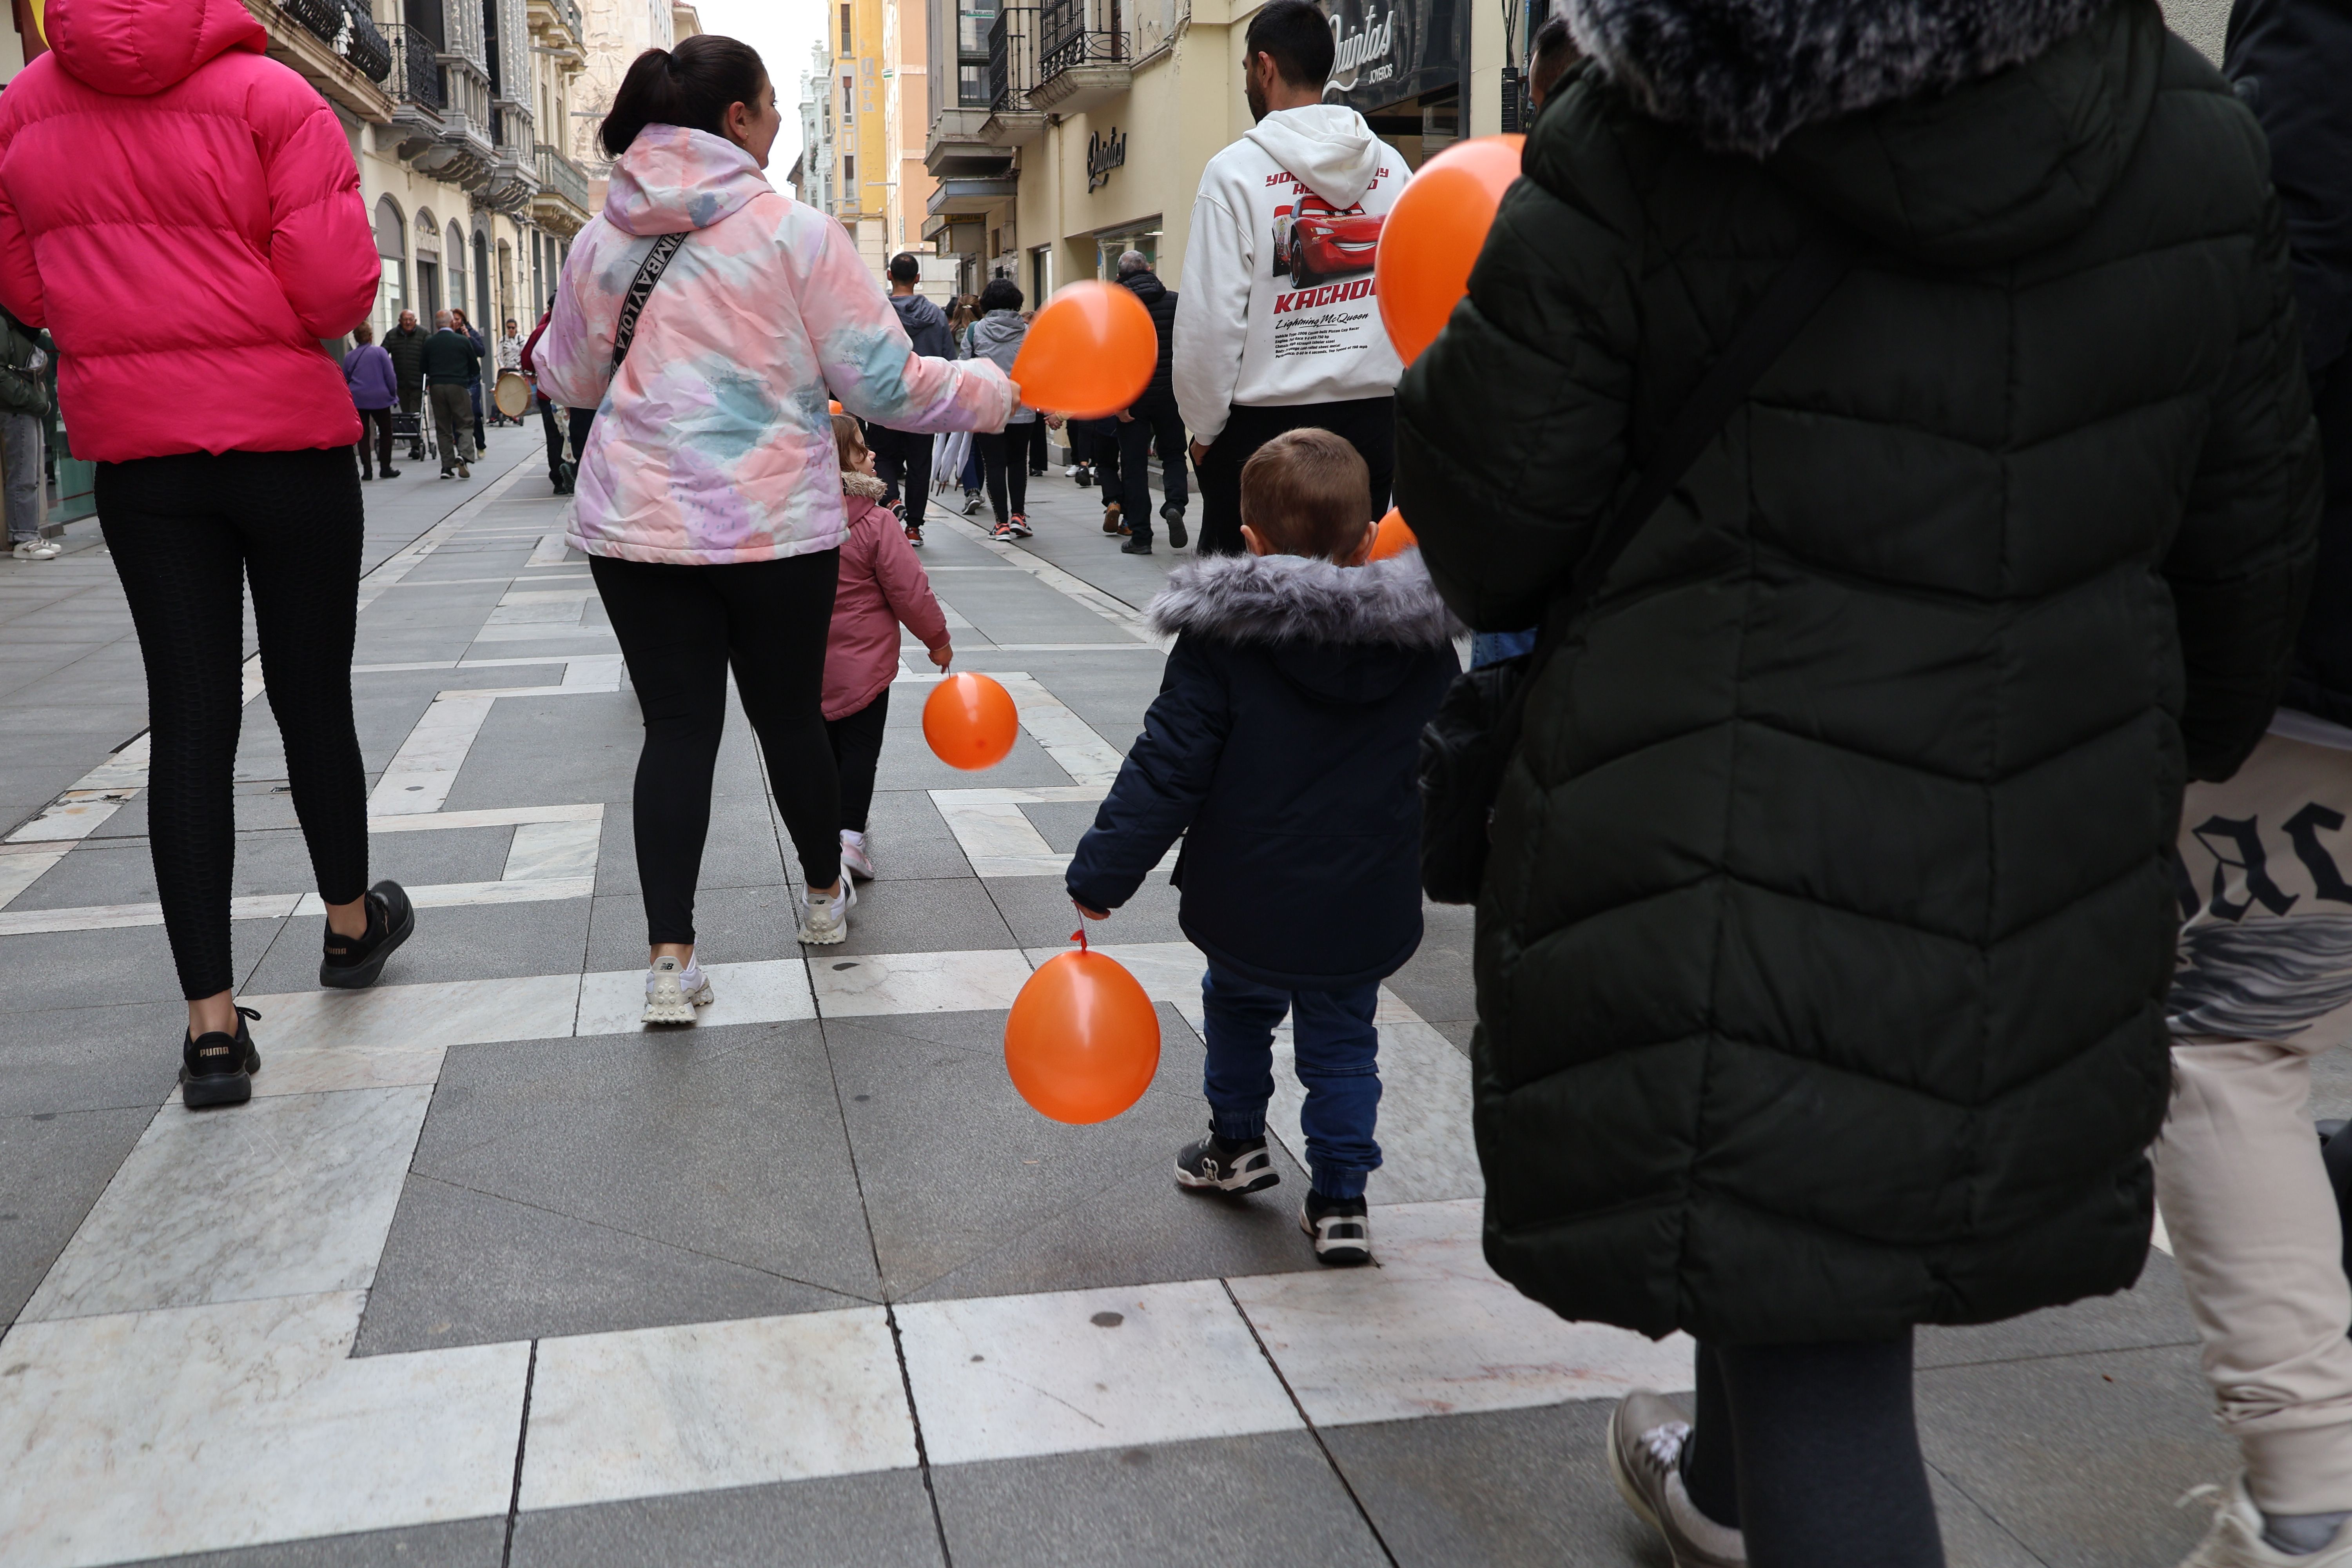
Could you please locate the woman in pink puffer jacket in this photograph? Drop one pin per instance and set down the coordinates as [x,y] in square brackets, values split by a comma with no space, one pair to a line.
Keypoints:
[185,217]
[709,499]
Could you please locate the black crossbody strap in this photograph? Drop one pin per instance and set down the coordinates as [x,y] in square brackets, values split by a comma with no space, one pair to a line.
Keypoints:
[641,288]
[1794,294]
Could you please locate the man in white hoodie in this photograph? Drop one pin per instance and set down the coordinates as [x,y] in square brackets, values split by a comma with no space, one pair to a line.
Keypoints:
[1275,324]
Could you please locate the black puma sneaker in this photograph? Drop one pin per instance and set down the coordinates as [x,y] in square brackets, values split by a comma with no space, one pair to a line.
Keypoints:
[352,963]
[217,1069]
[1213,1165]
[1342,1229]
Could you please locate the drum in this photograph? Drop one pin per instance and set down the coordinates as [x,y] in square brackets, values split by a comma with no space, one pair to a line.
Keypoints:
[513,394]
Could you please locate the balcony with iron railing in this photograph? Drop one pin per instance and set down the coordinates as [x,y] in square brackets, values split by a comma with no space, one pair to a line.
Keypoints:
[415,75]
[559,177]
[1083,56]
[345,29]
[1011,57]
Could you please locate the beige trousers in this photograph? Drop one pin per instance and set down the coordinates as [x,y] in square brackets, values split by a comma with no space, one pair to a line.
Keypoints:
[2265,984]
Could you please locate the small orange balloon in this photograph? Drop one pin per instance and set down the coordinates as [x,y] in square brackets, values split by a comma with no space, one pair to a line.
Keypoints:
[1433,235]
[1082,1039]
[833,405]
[1393,536]
[970,721]
[1089,354]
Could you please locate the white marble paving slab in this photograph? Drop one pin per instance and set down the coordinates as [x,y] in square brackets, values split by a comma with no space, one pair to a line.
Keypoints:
[560,607]
[491,817]
[326,1067]
[73,815]
[552,852]
[653,1412]
[421,773]
[279,906]
[1433,1332]
[203,1429]
[20,871]
[283,1196]
[1007,1377]
[771,991]
[431,1014]
[865,985]
[550,550]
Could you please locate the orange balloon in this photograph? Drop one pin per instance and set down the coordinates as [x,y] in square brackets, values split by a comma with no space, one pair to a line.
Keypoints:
[833,405]
[1083,1040]
[1393,536]
[1433,235]
[1089,354]
[970,721]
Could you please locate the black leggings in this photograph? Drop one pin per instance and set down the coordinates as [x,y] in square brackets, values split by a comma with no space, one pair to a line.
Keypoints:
[1812,1452]
[187,532]
[1000,460]
[681,627]
[375,424]
[857,748]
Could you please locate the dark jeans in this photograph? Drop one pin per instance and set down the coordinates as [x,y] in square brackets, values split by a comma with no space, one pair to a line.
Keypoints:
[1812,1453]
[856,740]
[903,459]
[188,533]
[1040,452]
[1102,444]
[1151,425]
[682,628]
[1000,454]
[376,424]
[475,388]
[412,401]
[1338,1059]
[555,459]
[580,420]
[1368,423]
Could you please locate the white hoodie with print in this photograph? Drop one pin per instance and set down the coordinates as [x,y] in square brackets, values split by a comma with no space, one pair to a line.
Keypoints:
[1277,305]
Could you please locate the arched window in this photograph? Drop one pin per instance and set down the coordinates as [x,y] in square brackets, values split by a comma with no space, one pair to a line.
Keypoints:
[428,268]
[508,303]
[392,250]
[484,323]
[453,255]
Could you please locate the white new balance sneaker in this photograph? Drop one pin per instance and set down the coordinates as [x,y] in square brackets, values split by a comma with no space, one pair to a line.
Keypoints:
[824,919]
[673,991]
[856,856]
[2236,1539]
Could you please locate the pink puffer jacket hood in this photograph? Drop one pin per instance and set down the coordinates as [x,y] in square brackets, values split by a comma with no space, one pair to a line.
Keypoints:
[712,442]
[184,215]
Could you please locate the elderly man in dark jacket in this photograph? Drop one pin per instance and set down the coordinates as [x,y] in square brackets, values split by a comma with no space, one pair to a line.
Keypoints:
[405,344]
[1153,421]
[1824,950]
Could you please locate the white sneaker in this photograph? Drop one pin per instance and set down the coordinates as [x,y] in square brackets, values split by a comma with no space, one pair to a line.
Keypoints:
[37,550]
[2236,1539]
[825,920]
[856,858]
[673,991]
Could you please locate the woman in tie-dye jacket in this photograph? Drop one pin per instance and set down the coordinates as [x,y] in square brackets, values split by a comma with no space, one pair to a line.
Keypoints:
[708,499]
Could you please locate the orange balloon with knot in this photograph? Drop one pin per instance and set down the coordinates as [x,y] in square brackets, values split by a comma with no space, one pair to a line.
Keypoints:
[1082,1043]
[1433,235]
[1089,354]
[970,721]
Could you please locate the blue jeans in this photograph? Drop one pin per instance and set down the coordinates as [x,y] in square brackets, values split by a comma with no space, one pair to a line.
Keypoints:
[1337,1054]
[1493,648]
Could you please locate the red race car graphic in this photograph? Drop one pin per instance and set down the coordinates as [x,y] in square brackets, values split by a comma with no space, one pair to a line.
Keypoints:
[1316,242]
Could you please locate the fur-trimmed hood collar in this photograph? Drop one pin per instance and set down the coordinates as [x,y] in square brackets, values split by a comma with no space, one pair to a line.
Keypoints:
[1745,74]
[1296,598]
[853,483]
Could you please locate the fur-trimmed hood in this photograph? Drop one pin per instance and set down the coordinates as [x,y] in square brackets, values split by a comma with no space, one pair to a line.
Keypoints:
[1745,74]
[1301,599]
[853,483]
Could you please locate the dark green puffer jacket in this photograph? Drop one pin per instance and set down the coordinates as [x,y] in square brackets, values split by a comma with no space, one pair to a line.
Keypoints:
[1824,947]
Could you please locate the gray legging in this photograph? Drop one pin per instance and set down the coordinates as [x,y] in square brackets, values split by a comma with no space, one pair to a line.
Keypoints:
[1812,1453]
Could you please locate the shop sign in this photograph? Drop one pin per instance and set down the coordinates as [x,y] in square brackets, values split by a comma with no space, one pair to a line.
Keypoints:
[1387,50]
[1104,153]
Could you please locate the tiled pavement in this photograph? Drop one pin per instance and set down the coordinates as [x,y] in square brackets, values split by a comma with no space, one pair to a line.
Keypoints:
[490,1275]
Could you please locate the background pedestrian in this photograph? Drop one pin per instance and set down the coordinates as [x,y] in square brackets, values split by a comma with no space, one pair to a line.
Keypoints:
[375,388]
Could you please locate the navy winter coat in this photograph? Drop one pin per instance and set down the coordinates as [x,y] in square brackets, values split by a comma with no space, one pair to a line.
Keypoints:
[1282,747]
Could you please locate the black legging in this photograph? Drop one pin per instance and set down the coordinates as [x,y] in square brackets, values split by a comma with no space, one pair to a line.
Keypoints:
[187,532]
[856,740]
[1812,1453]
[681,627]
[999,459]
[376,423]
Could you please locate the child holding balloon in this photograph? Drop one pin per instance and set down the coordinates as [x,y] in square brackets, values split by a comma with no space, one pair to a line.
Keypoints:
[882,587]
[1281,748]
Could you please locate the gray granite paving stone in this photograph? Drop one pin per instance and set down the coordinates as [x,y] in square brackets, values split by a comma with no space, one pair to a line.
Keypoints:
[911,840]
[1269,1498]
[461,1543]
[52,1168]
[2153,1312]
[461,941]
[876,1520]
[950,915]
[126,963]
[65,1060]
[742,850]
[727,1141]
[731,925]
[464,1268]
[1039,910]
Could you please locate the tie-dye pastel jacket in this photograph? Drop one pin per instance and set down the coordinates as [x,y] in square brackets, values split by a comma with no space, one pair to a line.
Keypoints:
[712,442]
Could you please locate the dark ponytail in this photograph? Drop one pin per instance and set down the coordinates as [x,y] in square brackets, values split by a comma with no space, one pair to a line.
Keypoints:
[692,85]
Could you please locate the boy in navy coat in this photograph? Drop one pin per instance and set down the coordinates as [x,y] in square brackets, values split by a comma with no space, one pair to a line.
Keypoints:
[1282,747]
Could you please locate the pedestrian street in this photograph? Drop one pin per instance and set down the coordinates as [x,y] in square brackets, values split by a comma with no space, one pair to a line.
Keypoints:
[489,1273]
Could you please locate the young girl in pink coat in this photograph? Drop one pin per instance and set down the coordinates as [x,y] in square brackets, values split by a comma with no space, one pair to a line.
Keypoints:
[882,587]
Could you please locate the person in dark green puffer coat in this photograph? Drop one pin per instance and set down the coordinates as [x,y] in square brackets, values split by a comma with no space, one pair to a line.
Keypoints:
[1822,953]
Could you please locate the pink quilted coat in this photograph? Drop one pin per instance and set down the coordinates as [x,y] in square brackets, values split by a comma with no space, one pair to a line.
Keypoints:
[882,585]
[713,444]
[185,217]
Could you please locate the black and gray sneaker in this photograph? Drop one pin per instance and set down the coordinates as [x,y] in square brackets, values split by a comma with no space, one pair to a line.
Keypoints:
[1173,516]
[217,1069]
[1213,1165]
[352,963]
[1341,1227]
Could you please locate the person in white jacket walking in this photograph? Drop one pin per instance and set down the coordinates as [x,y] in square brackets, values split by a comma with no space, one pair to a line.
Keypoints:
[1276,323]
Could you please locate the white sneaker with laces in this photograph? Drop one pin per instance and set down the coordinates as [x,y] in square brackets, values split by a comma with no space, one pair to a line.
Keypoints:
[674,990]
[856,858]
[2236,1539]
[37,549]
[824,920]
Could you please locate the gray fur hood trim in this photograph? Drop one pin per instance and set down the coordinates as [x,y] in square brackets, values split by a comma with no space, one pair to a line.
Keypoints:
[1295,598]
[1744,74]
[853,483]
